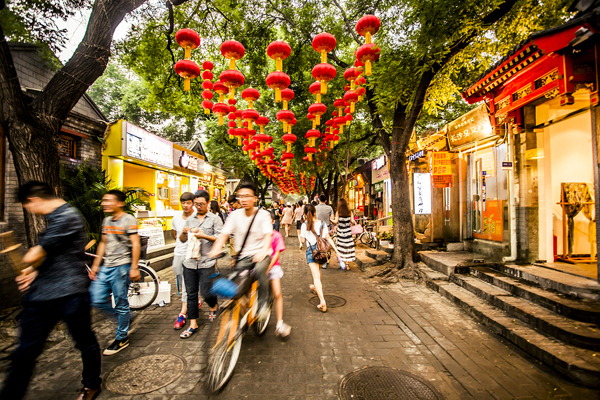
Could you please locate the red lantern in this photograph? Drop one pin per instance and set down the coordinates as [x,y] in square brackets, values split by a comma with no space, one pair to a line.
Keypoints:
[207,65]
[250,95]
[262,122]
[207,84]
[317,109]
[263,139]
[360,91]
[189,40]
[351,97]
[315,89]
[207,75]
[312,118]
[285,116]
[232,79]
[310,151]
[286,95]
[238,118]
[368,53]
[221,90]
[348,119]
[324,43]
[287,158]
[350,76]
[312,135]
[232,50]
[207,105]
[290,124]
[207,95]
[340,122]
[279,51]
[240,133]
[324,73]
[220,109]
[339,104]
[367,26]
[278,81]
[188,70]
[289,139]
[250,116]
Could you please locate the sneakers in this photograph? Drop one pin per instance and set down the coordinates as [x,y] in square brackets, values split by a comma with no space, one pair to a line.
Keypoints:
[88,394]
[212,315]
[116,347]
[180,322]
[282,329]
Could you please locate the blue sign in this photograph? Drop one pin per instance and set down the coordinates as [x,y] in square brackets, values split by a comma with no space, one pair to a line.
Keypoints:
[507,165]
[416,155]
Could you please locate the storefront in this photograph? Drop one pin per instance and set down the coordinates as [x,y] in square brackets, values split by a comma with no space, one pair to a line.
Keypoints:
[356,193]
[541,99]
[380,189]
[135,158]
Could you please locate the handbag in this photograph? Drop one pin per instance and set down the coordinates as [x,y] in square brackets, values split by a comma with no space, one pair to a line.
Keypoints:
[322,250]
[356,229]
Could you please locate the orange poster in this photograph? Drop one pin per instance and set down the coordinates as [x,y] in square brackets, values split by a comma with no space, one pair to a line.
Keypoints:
[491,226]
[441,163]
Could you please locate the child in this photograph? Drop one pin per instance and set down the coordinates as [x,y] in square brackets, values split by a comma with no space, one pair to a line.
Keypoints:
[275,273]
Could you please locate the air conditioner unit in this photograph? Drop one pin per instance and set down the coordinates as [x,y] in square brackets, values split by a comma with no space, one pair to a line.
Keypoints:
[362,161]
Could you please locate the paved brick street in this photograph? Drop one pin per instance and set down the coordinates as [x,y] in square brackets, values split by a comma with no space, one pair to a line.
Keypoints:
[404,326]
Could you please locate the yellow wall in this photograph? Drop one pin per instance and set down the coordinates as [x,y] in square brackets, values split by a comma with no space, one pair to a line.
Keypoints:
[137,176]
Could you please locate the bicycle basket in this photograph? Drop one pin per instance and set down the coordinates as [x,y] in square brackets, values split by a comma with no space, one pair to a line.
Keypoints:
[143,247]
[224,288]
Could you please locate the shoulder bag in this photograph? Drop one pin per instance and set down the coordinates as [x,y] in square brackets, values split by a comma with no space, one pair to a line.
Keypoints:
[322,250]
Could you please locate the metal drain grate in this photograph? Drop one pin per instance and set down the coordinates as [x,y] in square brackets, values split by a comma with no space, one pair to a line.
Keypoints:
[330,300]
[375,383]
[145,374]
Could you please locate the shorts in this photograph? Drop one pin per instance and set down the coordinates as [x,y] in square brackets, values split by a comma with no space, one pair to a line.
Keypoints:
[299,224]
[276,272]
[309,255]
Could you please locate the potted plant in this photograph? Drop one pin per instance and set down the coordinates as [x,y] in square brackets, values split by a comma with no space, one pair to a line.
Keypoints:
[386,238]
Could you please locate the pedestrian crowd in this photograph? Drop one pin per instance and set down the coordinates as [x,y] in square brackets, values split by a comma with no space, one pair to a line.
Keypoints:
[57,286]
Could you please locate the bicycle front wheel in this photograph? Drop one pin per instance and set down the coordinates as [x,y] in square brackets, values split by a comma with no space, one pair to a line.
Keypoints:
[143,292]
[222,348]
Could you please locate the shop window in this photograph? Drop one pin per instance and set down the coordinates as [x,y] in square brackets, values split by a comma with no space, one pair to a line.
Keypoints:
[67,146]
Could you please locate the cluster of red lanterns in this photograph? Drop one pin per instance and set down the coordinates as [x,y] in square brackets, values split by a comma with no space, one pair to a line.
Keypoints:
[186,68]
[241,123]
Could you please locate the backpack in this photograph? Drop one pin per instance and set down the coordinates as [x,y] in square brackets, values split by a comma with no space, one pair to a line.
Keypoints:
[322,250]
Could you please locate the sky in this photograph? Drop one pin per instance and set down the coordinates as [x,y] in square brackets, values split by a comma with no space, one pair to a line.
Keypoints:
[76,27]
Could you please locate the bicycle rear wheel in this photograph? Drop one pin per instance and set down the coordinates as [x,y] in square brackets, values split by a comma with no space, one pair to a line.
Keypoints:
[143,292]
[222,348]
[366,238]
[261,325]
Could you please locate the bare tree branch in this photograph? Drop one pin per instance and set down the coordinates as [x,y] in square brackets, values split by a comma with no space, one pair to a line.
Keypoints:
[348,26]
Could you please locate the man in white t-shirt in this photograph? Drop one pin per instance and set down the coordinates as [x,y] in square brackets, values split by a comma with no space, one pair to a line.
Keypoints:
[186,200]
[256,252]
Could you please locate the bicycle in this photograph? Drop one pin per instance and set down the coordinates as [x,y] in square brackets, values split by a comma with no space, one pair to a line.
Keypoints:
[144,291]
[224,340]
[368,237]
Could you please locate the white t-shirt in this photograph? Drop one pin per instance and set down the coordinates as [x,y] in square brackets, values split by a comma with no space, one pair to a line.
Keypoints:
[237,223]
[177,224]
[309,236]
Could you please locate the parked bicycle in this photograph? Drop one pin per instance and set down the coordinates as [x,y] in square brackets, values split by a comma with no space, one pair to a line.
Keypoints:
[368,236]
[144,291]
[224,340]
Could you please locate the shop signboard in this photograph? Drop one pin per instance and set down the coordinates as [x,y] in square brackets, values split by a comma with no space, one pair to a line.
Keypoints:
[153,229]
[381,170]
[422,193]
[219,180]
[492,222]
[416,155]
[148,147]
[434,142]
[184,159]
[440,163]
[471,127]
[205,179]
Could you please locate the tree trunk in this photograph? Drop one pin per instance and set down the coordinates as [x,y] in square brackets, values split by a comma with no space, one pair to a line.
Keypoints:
[404,242]
[335,189]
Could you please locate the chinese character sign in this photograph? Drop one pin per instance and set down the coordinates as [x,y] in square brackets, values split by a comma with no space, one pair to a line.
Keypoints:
[422,193]
[440,163]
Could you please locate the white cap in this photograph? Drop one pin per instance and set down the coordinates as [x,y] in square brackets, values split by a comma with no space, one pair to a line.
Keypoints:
[288,204]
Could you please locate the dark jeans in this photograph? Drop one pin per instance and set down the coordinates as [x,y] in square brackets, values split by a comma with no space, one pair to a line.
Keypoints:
[38,320]
[260,272]
[194,278]
[276,225]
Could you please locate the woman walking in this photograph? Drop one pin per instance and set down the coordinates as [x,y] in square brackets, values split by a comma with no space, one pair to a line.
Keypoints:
[345,242]
[308,233]
[287,219]
[298,214]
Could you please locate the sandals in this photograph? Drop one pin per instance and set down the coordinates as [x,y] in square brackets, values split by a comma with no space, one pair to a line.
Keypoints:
[322,308]
[188,333]
[312,289]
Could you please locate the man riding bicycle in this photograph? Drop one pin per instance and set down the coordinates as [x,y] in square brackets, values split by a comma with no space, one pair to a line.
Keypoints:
[253,230]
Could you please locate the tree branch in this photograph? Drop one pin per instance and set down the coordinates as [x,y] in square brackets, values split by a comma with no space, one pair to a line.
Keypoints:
[345,18]
[11,96]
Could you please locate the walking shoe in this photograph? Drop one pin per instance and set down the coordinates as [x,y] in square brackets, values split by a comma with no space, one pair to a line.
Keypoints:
[212,315]
[300,246]
[180,322]
[116,347]
[283,329]
[88,394]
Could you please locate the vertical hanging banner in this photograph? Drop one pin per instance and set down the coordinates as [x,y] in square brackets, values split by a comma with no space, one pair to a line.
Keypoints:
[440,165]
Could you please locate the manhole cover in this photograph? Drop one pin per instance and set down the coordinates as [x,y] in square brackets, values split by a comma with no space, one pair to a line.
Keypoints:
[330,300]
[145,374]
[374,383]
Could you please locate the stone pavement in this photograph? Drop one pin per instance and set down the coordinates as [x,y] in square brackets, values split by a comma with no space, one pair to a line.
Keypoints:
[404,326]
